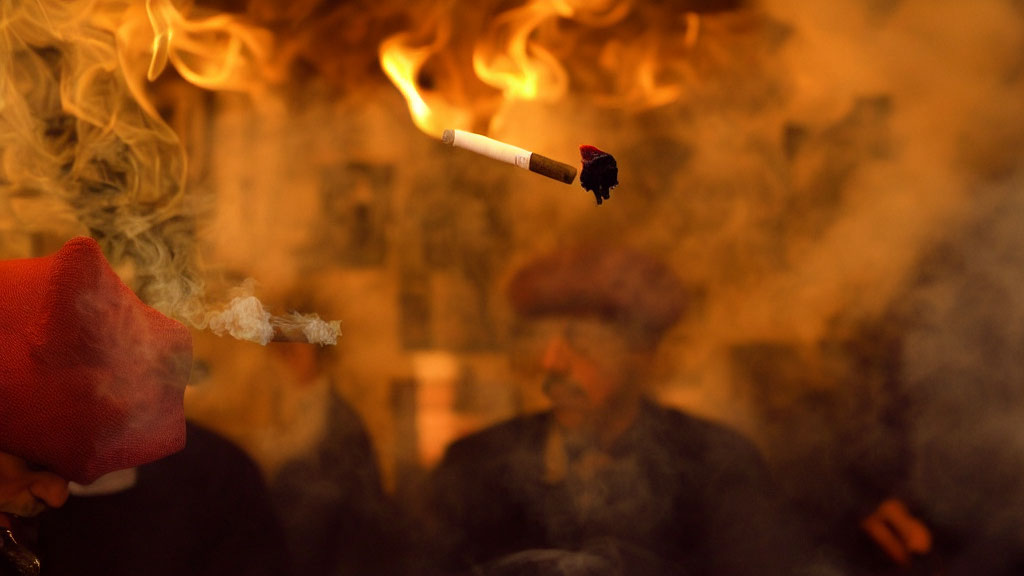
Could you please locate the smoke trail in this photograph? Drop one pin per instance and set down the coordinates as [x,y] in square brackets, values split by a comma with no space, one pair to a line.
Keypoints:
[84,150]
[82,155]
[901,194]
[964,379]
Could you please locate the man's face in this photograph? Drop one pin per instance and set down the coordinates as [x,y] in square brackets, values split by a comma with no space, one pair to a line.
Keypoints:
[587,366]
[26,490]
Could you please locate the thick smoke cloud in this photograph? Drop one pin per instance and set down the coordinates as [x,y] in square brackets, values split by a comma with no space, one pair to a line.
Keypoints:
[964,382]
[84,154]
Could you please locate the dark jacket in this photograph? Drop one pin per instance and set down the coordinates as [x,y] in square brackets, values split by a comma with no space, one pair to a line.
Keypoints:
[204,510]
[680,495]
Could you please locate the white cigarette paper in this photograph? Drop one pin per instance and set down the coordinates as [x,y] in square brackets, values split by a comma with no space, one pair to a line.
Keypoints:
[509,154]
[489,147]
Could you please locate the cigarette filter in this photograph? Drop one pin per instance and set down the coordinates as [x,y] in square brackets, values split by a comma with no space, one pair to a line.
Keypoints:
[510,154]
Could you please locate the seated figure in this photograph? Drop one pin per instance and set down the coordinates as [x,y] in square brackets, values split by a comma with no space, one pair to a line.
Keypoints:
[607,481]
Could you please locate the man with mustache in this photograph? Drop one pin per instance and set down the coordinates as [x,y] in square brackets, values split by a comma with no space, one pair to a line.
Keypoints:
[91,381]
[607,481]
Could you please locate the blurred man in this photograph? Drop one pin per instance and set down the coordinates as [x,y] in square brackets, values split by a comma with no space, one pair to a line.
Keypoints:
[91,381]
[330,496]
[607,481]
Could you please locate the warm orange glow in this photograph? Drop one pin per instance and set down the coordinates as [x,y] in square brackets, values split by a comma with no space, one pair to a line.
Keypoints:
[511,63]
[401,63]
[811,168]
[653,70]
[217,53]
[527,53]
[162,33]
[503,58]
[692,29]
[599,13]
[402,60]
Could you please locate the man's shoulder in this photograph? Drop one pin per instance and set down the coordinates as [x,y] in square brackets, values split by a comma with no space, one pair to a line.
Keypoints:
[678,418]
[208,455]
[519,432]
[698,433]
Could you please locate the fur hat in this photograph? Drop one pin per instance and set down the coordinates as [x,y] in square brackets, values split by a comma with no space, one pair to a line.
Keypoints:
[618,284]
[91,379]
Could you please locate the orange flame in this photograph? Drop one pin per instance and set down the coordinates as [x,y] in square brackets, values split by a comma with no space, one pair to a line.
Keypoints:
[507,62]
[217,53]
[638,58]
[519,68]
[402,63]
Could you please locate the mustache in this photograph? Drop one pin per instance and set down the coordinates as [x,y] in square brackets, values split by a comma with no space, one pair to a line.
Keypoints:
[26,508]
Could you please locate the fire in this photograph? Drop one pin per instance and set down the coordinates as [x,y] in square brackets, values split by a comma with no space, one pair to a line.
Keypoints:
[522,69]
[402,62]
[510,65]
[219,52]
[528,53]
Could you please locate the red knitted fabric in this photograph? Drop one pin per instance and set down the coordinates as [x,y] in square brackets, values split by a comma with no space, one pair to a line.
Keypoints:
[91,379]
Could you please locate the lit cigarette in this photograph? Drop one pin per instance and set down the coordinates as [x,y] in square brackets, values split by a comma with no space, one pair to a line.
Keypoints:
[510,154]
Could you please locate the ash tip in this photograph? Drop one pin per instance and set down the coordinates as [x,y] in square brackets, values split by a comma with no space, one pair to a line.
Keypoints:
[448,137]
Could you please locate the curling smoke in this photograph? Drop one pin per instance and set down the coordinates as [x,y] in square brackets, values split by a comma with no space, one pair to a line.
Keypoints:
[85,151]
[245,318]
[963,378]
[81,152]
[904,125]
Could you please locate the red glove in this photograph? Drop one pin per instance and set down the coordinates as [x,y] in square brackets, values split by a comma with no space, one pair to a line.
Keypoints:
[91,379]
